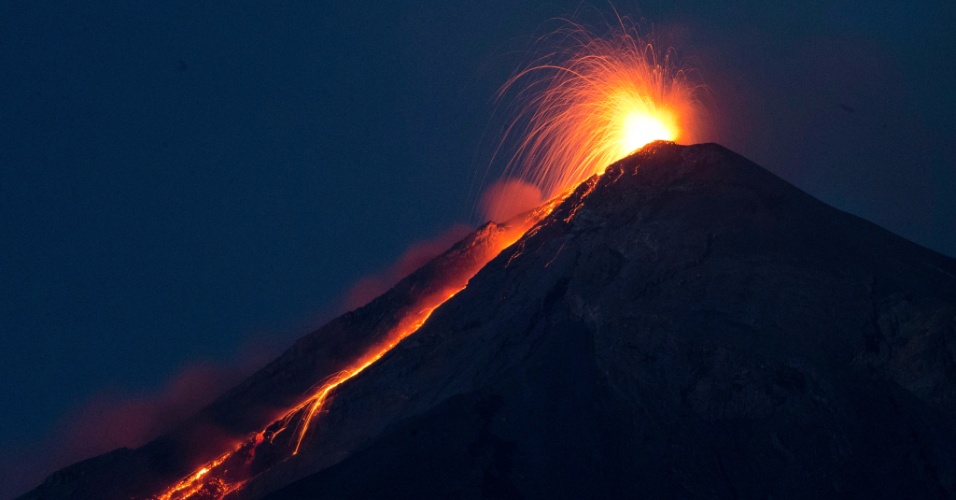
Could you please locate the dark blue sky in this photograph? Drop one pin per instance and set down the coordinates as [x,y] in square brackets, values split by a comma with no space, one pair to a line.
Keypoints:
[180,181]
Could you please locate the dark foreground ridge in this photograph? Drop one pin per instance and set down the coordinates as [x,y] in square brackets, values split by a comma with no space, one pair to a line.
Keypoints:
[687,325]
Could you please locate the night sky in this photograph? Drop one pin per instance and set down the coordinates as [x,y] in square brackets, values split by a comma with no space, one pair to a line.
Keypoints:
[185,187]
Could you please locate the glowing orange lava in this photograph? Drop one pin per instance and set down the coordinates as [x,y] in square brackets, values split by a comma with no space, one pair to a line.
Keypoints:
[410,325]
[191,485]
[593,102]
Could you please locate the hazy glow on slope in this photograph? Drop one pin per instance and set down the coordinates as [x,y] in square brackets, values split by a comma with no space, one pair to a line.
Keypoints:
[593,102]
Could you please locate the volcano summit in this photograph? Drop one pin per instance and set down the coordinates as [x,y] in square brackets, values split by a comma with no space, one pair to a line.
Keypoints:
[686,325]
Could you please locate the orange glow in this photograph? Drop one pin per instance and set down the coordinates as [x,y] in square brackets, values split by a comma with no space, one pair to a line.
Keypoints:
[587,105]
[638,129]
[192,485]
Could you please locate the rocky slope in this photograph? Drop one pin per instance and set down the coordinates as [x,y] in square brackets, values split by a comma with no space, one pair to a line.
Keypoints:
[685,326]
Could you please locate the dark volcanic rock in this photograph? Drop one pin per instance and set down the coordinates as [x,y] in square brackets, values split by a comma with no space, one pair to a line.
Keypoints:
[685,326]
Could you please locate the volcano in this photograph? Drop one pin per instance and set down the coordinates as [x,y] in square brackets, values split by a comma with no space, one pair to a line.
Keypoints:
[686,325]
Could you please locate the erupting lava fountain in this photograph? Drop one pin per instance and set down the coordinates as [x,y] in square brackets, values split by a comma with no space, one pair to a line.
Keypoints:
[594,101]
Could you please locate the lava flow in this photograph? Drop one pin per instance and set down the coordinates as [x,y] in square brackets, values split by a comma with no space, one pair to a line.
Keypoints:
[596,105]
[592,101]
[231,470]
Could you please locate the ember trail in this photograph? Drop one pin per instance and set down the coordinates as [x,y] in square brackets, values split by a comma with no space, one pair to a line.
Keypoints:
[578,113]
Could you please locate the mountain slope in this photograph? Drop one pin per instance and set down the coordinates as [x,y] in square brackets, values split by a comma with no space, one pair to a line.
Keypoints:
[690,326]
[686,325]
